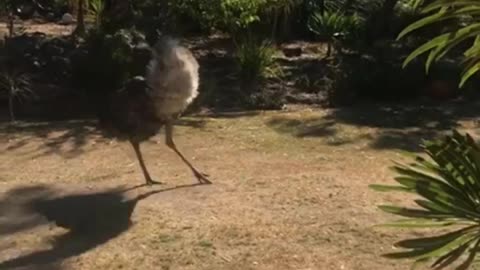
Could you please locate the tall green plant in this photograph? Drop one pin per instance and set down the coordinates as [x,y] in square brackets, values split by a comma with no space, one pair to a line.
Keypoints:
[237,16]
[332,24]
[464,20]
[95,10]
[281,12]
[255,60]
[448,187]
[15,83]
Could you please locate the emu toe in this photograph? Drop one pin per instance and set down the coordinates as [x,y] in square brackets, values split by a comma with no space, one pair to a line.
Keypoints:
[202,178]
[151,182]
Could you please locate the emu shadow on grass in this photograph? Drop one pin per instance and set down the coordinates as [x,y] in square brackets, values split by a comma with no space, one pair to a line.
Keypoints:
[91,220]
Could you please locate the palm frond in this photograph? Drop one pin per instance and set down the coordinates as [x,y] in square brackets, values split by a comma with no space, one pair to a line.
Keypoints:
[448,184]
[441,11]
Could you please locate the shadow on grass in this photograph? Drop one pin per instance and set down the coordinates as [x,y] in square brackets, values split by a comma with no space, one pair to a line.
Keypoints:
[65,138]
[91,220]
[54,135]
[400,126]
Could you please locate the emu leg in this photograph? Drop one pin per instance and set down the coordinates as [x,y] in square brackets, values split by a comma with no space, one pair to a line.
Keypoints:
[201,177]
[148,179]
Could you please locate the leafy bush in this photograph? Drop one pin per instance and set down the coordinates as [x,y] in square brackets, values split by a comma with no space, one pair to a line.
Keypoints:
[108,60]
[255,60]
[231,16]
[334,25]
[236,16]
[448,184]
[202,13]
[373,76]
[95,9]
[15,82]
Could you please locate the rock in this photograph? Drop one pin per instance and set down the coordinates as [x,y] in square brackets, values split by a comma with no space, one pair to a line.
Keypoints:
[67,19]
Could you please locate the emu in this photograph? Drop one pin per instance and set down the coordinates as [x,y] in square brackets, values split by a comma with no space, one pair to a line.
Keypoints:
[138,111]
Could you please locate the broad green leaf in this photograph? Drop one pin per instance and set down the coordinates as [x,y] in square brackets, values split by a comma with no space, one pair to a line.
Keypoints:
[469,73]
[470,259]
[414,213]
[386,188]
[420,223]
[449,183]
[424,48]
[441,4]
[444,43]
[437,251]
[422,254]
[437,191]
[450,257]
[452,162]
[422,23]
[436,241]
[454,40]
[436,208]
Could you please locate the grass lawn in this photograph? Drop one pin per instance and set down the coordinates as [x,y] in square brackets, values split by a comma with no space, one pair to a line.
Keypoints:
[290,191]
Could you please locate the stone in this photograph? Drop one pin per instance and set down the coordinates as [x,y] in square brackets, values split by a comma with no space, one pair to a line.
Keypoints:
[67,19]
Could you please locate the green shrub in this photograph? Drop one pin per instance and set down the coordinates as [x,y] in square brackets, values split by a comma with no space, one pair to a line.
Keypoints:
[95,10]
[108,60]
[230,16]
[237,16]
[334,25]
[447,185]
[255,60]
[371,75]
[15,82]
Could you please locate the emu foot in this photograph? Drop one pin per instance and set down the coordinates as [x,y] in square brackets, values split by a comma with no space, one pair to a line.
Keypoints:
[151,182]
[202,177]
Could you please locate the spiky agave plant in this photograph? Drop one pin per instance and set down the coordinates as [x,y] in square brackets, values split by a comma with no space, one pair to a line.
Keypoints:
[95,10]
[15,83]
[330,24]
[448,184]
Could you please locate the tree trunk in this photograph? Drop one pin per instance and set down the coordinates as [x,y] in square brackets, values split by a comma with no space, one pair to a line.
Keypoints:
[80,30]
[11,24]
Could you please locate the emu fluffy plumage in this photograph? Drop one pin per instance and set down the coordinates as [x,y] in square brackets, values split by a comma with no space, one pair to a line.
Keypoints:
[143,106]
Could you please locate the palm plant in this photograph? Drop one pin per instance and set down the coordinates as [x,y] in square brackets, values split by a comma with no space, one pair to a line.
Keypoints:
[15,83]
[95,10]
[331,24]
[448,184]
[255,59]
[467,27]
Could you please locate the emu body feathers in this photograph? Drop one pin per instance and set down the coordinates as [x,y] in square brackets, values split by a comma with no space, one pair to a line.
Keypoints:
[172,77]
[143,106]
